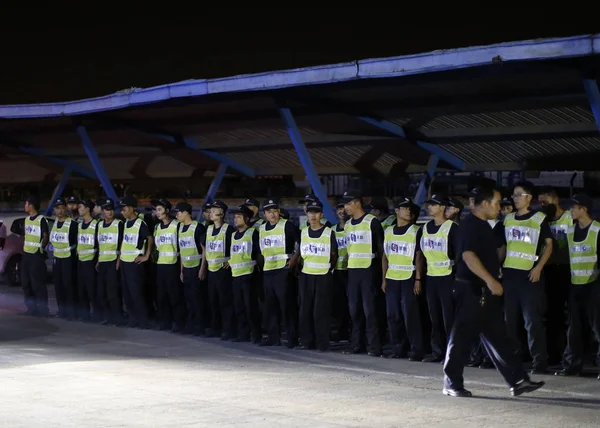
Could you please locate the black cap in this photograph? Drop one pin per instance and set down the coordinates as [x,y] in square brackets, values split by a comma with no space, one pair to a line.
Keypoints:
[315,206]
[453,202]
[350,195]
[59,201]
[284,214]
[339,204]
[161,203]
[251,202]
[378,203]
[309,197]
[506,201]
[87,203]
[270,203]
[107,204]
[219,204]
[404,203]
[438,198]
[206,206]
[583,200]
[182,207]
[244,210]
[72,200]
[128,201]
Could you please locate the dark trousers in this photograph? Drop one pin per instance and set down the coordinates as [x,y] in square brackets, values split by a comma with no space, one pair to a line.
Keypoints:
[220,293]
[339,304]
[109,292]
[475,317]
[315,310]
[132,280]
[33,281]
[86,282]
[281,303]
[64,289]
[584,307]
[522,296]
[558,281]
[150,287]
[362,291]
[192,293]
[169,297]
[404,318]
[440,300]
[246,307]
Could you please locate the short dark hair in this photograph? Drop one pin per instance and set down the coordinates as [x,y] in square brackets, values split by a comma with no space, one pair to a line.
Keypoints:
[548,190]
[528,186]
[481,194]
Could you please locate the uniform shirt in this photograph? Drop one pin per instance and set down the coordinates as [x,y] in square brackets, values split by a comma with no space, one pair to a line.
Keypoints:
[292,235]
[376,234]
[499,234]
[255,241]
[73,230]
[581,233]
[120,227]
[432,228]
[230,230]
[144,232]
[316,234]
[199,235]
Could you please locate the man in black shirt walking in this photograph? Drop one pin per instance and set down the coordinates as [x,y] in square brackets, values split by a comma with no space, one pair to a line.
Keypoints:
[478,304]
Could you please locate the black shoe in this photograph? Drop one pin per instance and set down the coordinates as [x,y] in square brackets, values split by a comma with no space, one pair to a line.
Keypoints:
[539,370]
[461,392]
[568,372]
[486,365]
[526,385]
[375,354]
[397,356]
[432,359]
[352,351]
[415,358]
[268,342]
[474,363]
[305,347]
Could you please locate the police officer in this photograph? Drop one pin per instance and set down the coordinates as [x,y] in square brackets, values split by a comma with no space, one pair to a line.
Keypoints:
[278,240]
[220,292]
[318,251]
[63,238]
[73,209]
[364,235]
[169,289]
[306,201]
[528,249]
[245,250]
[339,306]
[109,238]
[254,206]
[584,296]
[403,267]
[454,210]
[135,252]
[479,310]
[438,246]
[86,266]
[380,209]
[205,218]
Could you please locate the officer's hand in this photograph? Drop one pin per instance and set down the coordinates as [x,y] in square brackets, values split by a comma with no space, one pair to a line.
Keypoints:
[384,285]
[535,274]
[98,267]
[181,276]
[417,289]
[226,265]
[141,259]
[495,287]
[202,274]
[118,263]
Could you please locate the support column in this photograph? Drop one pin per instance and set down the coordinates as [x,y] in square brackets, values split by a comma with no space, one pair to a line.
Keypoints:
[216,183]
[422,189]
[96,163]
[593,94]
[59,190]
[307,164]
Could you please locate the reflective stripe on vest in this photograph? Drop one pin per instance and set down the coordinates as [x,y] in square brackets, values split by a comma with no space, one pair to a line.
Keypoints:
[389,221]
[258,223]
[583,255]
[86,241]
[215,248]
[108,241]
[188,251]
[522,237]
[272,245]
[435,249]
[360,243]
[342,260]
[559,229]
[316,252]
[33,235]
[131,236]
[59,238]
[400,253]
[241,262]
[166,243]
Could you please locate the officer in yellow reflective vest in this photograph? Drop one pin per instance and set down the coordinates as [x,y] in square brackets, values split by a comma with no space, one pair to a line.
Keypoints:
[308,198]
[87,247]
[364,236]
[245,251]
[135,251]
[109,237]
[278,239]
[339,299]
[557,274]
[33,265]
[191,237]
[584,296]
[528,249]
[169,289]
[63,238]
[380,209]
[438,247]
[403,267]
[216,260]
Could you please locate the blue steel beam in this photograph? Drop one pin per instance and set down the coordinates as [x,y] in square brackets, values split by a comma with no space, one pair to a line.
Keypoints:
[307,164]
[593,94]
[216,183]
[59,190]
[422,189]
[89,148]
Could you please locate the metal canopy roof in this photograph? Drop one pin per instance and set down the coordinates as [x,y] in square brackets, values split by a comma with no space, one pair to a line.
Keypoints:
[505,106]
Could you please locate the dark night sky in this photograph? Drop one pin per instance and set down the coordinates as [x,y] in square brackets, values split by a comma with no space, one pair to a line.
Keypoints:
[53,56]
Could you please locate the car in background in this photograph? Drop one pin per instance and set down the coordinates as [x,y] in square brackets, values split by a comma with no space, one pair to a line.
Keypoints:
[12,253]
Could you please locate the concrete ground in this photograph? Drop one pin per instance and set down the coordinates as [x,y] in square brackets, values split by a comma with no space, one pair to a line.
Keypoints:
[56,373]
